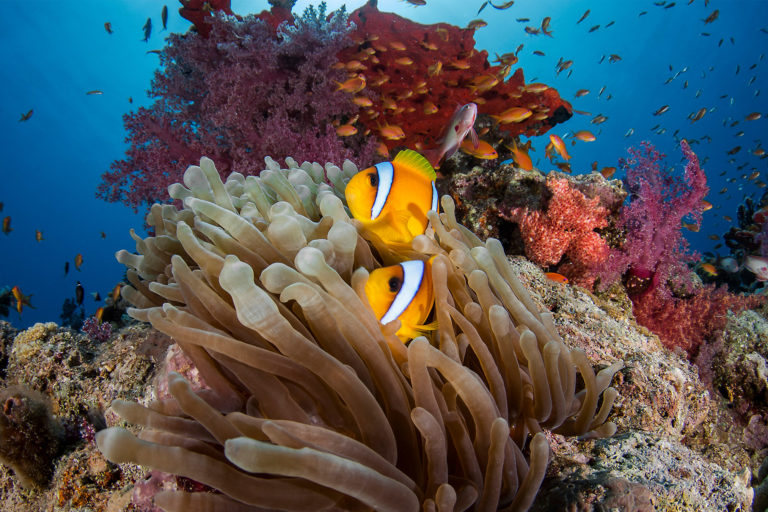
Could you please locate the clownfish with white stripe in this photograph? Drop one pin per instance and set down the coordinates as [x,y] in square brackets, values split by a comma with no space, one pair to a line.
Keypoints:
[391,199]
[403,291]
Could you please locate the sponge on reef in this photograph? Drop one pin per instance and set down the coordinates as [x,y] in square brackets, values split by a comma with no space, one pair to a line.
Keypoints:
[30,436]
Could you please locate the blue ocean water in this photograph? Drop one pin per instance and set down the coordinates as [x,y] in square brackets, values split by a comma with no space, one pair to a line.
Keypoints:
[52,162]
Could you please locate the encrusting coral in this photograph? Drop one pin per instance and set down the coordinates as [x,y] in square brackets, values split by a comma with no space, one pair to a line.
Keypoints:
[260,280]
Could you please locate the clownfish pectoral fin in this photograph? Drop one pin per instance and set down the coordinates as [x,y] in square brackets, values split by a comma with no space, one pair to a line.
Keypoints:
[416,221]
[431,326]
[393,228]
[415,162]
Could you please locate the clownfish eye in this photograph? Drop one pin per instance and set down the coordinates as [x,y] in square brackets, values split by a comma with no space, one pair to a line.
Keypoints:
[373,178]
[394,284]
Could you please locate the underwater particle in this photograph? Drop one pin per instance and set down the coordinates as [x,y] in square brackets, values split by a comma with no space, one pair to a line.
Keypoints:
[30,436]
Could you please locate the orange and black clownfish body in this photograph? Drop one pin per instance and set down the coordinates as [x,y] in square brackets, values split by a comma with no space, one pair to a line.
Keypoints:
[391,199]
[403,291]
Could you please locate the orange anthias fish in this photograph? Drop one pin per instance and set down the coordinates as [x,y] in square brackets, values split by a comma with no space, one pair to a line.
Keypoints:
[353,85]
[559,145]
[391,199]
[403,292]
[521,157]
[21,299]
[558,278]
[346,130]
[483,150]
[7,225]
[392,132]
[460,125]
[513,115]
[115,293]
[78,261]
[584,136]
[39,235]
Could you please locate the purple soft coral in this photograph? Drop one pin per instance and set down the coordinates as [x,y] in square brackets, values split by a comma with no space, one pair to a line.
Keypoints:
[245,92]
[655,250]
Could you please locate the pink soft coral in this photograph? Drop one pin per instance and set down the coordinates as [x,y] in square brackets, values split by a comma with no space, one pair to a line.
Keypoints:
[244,92]
[565,228]
[655,250]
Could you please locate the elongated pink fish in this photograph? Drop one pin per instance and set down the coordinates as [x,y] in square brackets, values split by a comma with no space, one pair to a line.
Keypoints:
[460,125]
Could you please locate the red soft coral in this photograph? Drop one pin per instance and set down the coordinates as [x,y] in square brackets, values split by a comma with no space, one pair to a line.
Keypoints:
[565,228]
[687,323]
[418,74]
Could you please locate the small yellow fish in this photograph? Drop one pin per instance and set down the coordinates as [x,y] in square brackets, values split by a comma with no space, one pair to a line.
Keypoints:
[7,225]
[391,199]
[99,314]
[709,269]
[434,69]
[404,61]
[78,261]
[403,292]
[397,45]
[39,235]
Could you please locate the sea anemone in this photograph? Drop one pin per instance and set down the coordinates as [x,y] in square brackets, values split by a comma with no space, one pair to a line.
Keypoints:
[311,403]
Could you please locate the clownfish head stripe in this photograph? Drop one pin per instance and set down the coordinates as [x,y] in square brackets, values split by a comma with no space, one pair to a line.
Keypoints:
[413,273]
[434,197]
[386,175]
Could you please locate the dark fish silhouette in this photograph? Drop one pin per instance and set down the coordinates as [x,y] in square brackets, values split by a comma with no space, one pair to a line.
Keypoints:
[25,117]
[164,17]
[147,28]
[79,293]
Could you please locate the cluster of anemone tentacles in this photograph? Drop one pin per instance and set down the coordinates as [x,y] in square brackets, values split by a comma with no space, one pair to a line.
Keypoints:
[311,404]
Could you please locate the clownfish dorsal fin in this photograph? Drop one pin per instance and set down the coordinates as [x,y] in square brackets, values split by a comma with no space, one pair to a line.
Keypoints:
[416,162]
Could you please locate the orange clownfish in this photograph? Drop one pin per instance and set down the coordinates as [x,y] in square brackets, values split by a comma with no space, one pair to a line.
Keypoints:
[403,291]
[391,199]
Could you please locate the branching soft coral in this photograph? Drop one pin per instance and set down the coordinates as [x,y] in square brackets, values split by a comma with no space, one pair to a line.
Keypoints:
[655,249]
[243,92]
[566,228]
[687,323]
